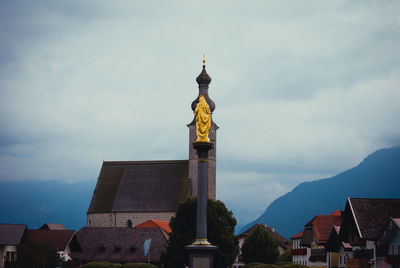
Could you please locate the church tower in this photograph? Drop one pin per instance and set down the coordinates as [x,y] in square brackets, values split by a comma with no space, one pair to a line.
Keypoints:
[203,80]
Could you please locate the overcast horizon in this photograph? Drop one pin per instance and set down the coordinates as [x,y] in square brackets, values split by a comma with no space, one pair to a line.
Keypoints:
[303,91]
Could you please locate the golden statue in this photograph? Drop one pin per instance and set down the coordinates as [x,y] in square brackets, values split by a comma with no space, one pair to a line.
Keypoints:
[203,120]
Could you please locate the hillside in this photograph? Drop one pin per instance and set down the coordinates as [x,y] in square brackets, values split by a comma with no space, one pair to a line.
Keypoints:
[36,202]
[378,176]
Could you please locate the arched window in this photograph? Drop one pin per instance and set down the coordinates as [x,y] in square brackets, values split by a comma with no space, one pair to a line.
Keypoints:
[129,223]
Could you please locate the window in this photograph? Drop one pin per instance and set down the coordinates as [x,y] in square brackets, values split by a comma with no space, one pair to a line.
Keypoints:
[129,223]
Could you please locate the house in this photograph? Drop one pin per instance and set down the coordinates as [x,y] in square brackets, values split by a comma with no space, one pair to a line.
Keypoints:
[128,193]
[11,236]
[117,244]
[364,223]
[283,244]
[52,226]
[63,241]
[315,237]
[300,254]
[389,243]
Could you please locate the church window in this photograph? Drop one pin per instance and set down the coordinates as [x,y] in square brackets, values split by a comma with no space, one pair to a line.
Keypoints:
[129,223]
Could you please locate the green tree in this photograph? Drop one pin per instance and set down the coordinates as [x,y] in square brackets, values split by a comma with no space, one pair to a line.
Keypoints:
[37,254]
[220,228]
[260,246]
[286,256]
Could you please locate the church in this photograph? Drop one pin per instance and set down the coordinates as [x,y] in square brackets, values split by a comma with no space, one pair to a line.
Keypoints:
[128,193]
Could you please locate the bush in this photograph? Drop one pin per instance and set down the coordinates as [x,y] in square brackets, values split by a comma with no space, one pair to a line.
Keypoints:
[294,266]
[138,265]
[282,263]
[101,264]
[260,265]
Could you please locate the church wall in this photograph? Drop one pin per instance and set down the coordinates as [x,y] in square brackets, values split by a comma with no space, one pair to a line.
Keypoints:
[120,219]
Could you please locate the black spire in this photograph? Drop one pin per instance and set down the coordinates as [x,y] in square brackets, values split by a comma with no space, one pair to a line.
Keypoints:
[203,80]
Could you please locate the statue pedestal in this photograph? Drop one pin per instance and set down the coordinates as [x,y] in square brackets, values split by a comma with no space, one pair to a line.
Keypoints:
[201,256]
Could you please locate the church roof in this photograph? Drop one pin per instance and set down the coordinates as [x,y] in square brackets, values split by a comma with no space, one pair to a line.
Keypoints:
[119,244]
[140,186]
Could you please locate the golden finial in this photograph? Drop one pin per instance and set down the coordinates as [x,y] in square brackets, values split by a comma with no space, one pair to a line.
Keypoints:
[204,59]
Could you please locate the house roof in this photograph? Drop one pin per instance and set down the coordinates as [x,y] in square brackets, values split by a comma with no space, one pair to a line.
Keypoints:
[56,239]
[322,226]
[140,186]
[371,214]
[396,221]
[11,234]
[52,226]
[297,236]
[119,244]
[156,223]
[279,239]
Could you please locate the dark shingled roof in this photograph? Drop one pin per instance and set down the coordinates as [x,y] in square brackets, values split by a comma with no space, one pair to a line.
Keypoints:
[52,226]
[140,186]
[56,239]
[372,214]
[11,234]
[119,244]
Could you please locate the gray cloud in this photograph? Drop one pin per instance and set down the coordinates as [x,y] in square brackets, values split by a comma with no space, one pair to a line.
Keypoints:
[303,90]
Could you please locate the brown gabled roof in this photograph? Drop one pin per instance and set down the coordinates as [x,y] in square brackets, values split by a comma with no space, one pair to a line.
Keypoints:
[371,214]
[278,238]
[154,224]
[56,239]
[119,244]
[11,234]
[322,226]
[52,226]
[140,186]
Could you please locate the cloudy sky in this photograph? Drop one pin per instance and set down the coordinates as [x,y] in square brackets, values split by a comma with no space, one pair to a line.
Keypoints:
[303,89]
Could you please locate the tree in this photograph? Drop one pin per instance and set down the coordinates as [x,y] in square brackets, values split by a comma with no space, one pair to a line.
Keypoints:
[37,254]
[260,246]
[220,228]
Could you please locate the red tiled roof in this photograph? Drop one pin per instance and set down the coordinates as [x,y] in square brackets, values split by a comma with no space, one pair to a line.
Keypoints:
[322,226]
[336,213]
[156,223]
[296,236]
[57,239]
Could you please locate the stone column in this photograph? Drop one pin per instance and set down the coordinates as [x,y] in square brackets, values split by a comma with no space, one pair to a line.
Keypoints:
[201,251]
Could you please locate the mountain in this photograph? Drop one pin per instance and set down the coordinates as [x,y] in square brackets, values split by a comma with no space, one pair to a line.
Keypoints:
[377,176]
[35,202]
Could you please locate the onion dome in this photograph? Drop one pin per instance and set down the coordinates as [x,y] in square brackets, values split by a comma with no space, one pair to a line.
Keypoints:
[203,80]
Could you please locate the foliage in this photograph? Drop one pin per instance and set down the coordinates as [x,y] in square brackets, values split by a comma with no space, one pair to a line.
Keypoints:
[138,265]
[286,256]
[37,255]
[101,264]
[294,266]
[260,265]
[282,263]
[220,227]
[260,246]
